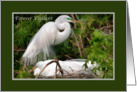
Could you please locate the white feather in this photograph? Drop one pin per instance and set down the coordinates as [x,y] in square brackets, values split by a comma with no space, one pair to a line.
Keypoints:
[47,36]
[71,66]
[36,71]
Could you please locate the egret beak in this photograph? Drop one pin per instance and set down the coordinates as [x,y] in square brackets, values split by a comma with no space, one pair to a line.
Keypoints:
[75,21]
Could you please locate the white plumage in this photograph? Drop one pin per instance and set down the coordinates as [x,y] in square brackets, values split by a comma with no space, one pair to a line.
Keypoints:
[48,36]
[71,66]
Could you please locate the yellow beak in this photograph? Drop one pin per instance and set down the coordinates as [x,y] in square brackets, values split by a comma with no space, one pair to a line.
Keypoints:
[76,21]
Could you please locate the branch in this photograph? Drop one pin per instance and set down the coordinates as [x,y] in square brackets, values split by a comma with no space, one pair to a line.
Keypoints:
[56,72]
[77,43]
[24,66]
[87,38]
[81,42]
[19,49]
[44,68]
[110,26]
[71,69]
[68,56]
[77,16]
[72,15]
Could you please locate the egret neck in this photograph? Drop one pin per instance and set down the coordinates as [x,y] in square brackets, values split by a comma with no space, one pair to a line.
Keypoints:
[62,36]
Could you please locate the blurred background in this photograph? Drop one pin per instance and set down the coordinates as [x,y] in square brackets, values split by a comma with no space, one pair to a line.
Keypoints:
[91,40]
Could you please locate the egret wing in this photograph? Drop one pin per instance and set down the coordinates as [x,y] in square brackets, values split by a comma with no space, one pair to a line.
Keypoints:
[41,42]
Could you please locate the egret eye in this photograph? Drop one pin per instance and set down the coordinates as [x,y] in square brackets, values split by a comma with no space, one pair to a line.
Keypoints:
[69,18]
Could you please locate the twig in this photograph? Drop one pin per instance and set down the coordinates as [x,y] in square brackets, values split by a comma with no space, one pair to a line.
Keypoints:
[44,68]
[85,56]
[74,44]
[72,15]
[19,49]
[110,26]
[56,72]
[16,72]
[71,69]
[56,61]
[87,38]
[104,47]
[62,70]
[32,69]
[66,72]
[23,66]
[77,43]
[68,56]
[81,42]
[77,16]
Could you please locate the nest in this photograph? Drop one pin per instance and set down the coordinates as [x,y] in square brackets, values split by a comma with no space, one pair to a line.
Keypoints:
[70,76]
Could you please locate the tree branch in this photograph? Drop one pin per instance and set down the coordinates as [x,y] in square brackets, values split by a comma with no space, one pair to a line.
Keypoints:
[72,15]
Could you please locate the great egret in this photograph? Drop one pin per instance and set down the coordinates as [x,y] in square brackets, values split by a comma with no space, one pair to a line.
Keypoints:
[71,66]
[48,35]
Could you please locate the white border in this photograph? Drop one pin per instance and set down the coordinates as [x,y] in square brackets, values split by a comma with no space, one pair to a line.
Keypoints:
[63,13]
[63,0]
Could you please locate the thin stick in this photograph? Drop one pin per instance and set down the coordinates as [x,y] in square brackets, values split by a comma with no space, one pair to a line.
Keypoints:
[19,49]
[77,16]
[55,72]
[81,42]
[110,26]
[71,70]
[77,43]
[44,68]
[62,70]
[72,15]
[66,72]
[60,67]
[23,66]
[68,56]
[87,38]
[32,69]
[57,62]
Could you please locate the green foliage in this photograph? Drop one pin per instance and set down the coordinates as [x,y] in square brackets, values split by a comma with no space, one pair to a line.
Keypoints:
[97,39]
[91,39]
[24,74]
[25,30]
[101,51]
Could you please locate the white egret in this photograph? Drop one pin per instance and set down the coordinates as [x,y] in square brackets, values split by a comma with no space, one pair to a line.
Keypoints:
[71,66]
[48,35]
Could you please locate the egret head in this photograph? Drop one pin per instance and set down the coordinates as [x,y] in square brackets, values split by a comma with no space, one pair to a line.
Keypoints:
[65,18]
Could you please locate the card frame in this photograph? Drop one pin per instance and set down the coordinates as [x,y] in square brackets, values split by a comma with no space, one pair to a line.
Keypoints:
[15,85]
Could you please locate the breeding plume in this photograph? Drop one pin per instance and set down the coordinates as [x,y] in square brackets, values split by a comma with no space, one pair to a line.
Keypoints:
[48,36]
